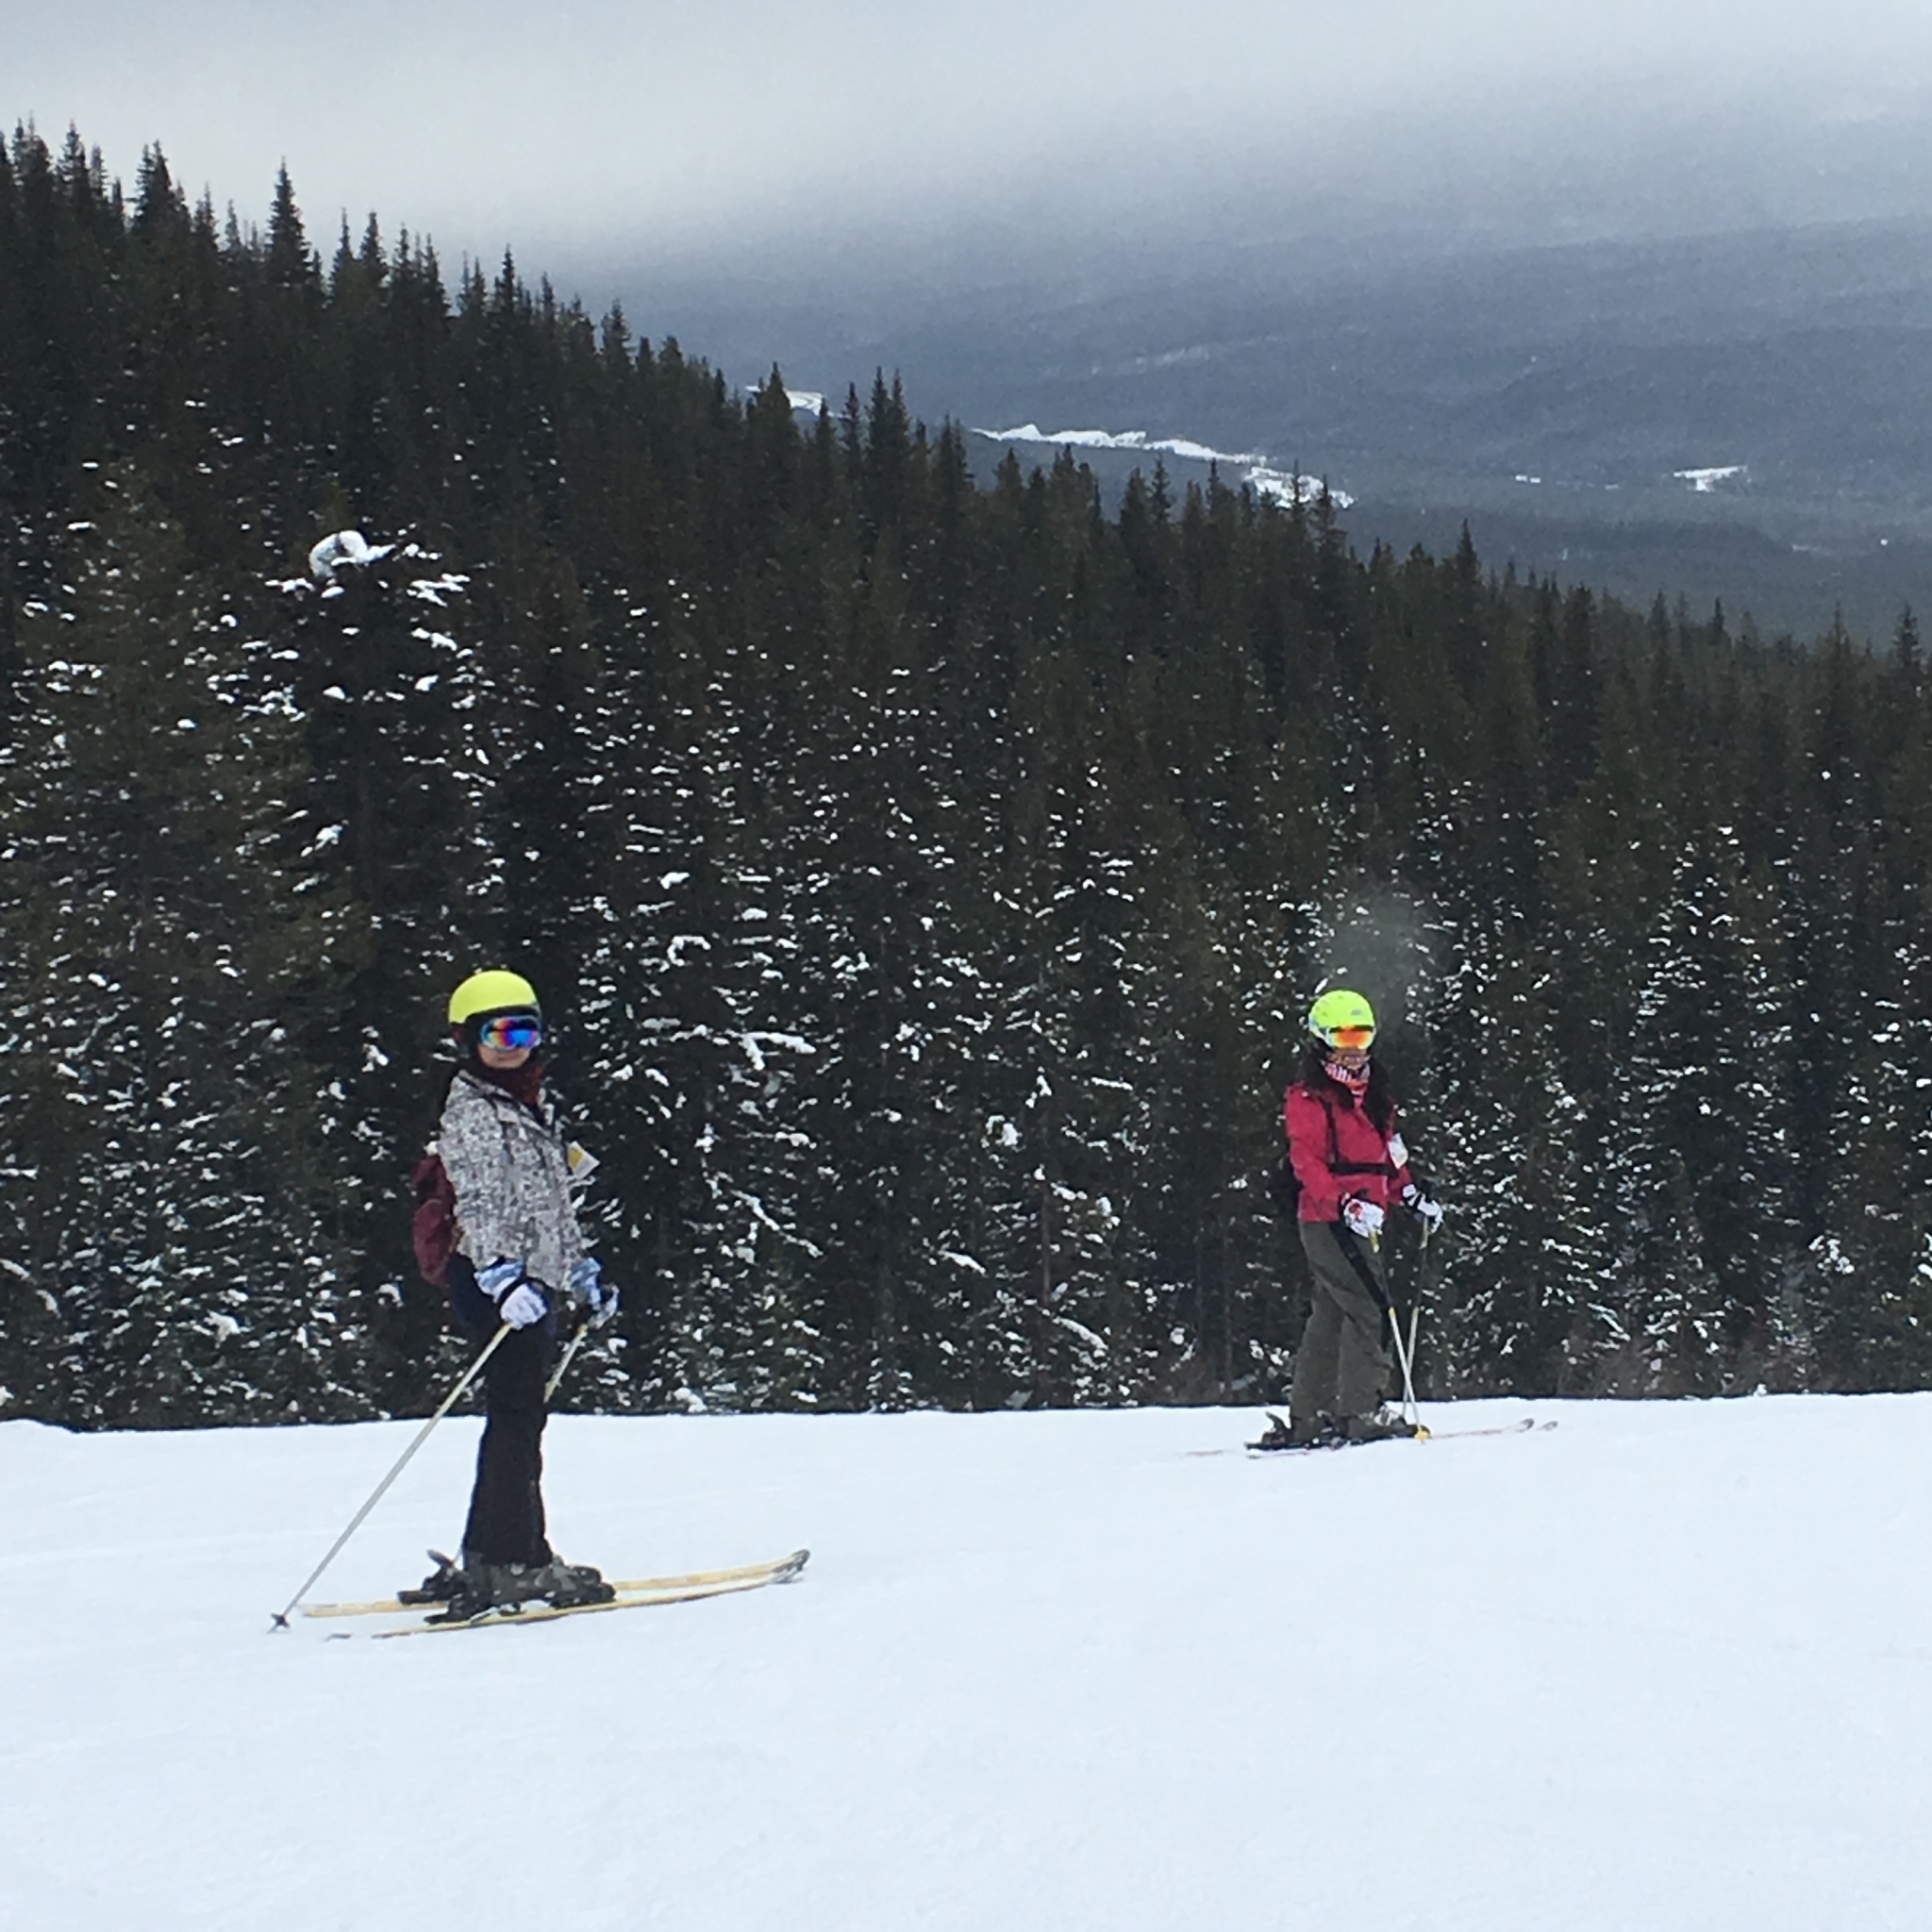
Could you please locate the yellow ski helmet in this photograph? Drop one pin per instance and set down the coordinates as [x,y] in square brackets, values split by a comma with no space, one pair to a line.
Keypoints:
[491,992]
[1341,1017]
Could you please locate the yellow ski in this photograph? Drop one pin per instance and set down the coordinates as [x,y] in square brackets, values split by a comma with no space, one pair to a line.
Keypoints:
[695,1579]
[762,1575]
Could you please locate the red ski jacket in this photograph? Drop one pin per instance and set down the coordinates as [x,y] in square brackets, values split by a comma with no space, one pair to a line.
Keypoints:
[1338,1150]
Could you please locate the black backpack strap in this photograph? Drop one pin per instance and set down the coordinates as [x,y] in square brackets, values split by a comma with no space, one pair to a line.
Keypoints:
[1336,1163]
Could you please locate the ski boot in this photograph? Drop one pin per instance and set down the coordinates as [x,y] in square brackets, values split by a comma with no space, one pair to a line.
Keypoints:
[440,1586]
[482,1587]
[1305,1432]
[1383,1425]
[567,1585]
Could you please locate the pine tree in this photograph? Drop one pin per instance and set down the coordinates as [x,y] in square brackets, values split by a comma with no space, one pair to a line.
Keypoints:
[162,1245]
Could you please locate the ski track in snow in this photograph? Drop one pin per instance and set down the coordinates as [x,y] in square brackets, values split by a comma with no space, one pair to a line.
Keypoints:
[1664,1667]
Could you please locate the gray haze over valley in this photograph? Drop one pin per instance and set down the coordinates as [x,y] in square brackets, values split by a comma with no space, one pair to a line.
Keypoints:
[1643,293]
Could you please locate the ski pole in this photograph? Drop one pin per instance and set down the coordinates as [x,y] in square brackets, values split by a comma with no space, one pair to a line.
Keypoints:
[1411,1408]
[1403,1352]
[468,1376]
[576,1341]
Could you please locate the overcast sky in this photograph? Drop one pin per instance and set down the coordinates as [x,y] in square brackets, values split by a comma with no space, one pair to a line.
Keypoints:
[572,126]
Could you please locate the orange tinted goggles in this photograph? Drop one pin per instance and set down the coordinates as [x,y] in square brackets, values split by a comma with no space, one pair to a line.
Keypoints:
[1351,1036]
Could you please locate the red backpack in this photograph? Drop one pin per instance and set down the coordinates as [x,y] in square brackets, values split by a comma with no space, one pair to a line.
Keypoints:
[433,1226]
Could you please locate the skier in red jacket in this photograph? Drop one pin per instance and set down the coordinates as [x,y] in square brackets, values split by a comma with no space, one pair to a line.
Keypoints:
[1351,1167]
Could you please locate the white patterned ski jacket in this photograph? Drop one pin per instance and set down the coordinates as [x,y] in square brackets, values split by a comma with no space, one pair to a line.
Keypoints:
[511,1168]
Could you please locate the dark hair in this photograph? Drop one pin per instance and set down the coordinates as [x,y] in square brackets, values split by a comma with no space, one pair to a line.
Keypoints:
[1378,1102]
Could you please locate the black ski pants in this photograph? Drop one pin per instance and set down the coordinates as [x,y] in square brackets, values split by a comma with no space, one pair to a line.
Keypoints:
[506,1522]
[1341,1368]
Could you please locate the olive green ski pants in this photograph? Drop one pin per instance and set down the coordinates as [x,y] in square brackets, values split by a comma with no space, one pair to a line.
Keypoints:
[1341,1368]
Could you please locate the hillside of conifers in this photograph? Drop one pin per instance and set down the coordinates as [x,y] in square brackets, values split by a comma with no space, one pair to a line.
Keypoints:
[925,882]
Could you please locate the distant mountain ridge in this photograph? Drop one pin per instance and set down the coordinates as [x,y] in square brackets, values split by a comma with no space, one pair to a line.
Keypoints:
[1567,400]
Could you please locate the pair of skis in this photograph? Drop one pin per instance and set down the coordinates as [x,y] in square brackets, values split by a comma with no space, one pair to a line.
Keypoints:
[1528,1426]
[1268,1446]
[634,1593]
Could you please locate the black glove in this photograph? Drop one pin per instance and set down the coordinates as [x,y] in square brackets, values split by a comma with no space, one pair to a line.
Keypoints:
[1426,1211]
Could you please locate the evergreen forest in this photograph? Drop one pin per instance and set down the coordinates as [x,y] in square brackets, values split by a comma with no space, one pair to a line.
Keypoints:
[925,878]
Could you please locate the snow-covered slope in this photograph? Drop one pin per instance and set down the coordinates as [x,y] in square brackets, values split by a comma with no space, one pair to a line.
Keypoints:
[1665,1666]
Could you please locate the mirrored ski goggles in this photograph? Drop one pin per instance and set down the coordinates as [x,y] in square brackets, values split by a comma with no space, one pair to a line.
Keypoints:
[1357,1038]
[508,1032]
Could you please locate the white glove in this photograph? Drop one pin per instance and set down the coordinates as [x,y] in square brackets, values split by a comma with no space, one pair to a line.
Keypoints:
[598,1296]
[524,1304]
[1426,1211]
[518,1299]
[1362,1217]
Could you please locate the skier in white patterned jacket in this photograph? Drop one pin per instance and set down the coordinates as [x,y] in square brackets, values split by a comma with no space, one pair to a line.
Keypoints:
[519,1257]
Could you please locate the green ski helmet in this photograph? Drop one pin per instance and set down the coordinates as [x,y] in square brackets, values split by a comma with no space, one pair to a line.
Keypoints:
[493,992]
[1342,1019]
